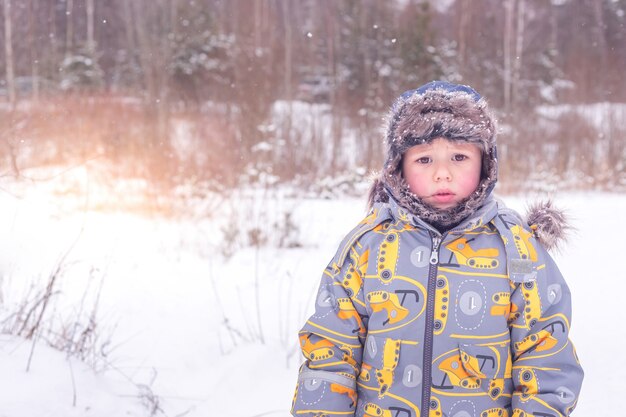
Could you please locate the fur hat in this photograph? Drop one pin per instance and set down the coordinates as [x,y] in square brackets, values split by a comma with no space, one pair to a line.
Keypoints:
[437,109]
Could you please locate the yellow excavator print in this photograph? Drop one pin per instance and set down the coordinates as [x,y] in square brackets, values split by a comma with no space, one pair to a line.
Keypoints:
[388,257]
[521,413]
[353,278]
[521,238]
[478,259]
[532,310]
[365,374]
[442,300]
[502,304]
[316,351]
[341,389]
[496,385]
[435,407]
[495,412]
[540,341]
[384,376]
[456,373]
[383,300]
[347,312]
[374,410]
[528,382]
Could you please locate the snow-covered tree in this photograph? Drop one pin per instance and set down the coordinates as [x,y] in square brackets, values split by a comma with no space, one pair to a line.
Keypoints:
[80,70]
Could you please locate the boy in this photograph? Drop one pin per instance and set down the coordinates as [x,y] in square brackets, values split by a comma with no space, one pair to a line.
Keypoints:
[441,302]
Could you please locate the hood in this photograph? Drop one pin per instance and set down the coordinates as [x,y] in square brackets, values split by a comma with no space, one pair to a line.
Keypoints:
[437,109]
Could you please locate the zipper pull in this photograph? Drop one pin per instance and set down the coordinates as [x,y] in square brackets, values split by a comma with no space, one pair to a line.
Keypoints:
[434,255]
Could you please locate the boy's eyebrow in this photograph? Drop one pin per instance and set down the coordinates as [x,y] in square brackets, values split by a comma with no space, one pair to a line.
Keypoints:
[465,145]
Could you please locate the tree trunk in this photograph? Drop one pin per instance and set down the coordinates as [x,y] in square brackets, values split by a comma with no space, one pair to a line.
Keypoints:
[554,28]
[601,51]
[369,87]
[53,52]
[164,53]
[91,42]
[336,116]
[146,57]
[8,50]
[34,54]
[287,128]
[257,23]
[69,30]
[509,9]
[519,52]
[130,41]
[463,32]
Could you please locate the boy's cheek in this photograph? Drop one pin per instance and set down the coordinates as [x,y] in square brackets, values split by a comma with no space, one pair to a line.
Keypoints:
[417,185]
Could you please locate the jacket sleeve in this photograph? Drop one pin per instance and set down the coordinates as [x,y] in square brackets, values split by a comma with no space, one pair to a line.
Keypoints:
[546,372]
[332,338]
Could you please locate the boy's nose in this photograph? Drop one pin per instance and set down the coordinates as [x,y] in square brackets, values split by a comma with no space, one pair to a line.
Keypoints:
[442,173]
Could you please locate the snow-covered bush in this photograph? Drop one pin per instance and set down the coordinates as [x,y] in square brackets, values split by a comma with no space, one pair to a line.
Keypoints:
[80,71]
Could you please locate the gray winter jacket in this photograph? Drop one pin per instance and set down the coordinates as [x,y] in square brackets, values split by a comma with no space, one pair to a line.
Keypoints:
[409,323]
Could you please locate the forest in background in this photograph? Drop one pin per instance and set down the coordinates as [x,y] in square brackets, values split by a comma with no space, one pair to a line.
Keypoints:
[218,94]
[156,159]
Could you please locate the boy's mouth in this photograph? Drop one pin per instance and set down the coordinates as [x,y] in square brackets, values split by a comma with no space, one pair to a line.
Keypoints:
[443,196]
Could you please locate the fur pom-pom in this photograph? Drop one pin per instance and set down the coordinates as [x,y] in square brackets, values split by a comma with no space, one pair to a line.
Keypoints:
[551,225]
[377,190]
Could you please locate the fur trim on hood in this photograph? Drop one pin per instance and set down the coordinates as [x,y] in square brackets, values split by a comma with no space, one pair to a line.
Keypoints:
[551,225]
[437,109]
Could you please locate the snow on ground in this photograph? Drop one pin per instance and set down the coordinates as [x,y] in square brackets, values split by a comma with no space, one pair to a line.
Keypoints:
[600,115]
[54,386]
[195,334]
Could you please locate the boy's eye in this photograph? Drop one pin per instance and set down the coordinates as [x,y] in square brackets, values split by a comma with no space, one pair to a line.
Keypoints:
[423,160]
[459,157]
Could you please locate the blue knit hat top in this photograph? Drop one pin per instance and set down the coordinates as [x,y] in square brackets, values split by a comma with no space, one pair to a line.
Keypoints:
[442,85]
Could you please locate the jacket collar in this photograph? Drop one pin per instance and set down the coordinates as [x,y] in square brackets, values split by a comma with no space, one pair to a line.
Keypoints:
[483,215]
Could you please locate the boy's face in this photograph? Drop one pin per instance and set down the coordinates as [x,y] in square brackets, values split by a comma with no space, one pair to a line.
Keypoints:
[443,172]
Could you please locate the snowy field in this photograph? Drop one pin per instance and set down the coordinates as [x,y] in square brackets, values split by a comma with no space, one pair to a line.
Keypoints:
[190,328]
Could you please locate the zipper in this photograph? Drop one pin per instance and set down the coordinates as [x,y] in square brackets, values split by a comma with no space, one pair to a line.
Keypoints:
[428,332]
[434,255]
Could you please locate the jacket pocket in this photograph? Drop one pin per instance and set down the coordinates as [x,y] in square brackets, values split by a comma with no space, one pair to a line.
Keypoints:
[488,366]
